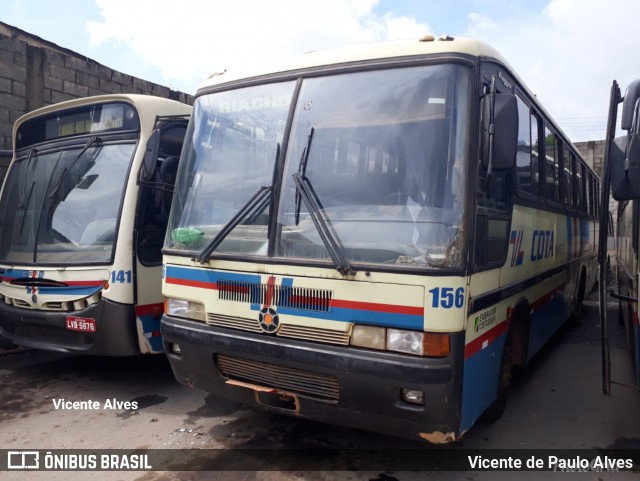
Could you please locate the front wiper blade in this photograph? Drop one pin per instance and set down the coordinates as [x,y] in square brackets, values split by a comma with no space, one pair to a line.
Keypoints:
[329,238]
[26,202]
[250,206]
[66,170]
[23,184]
[302,170]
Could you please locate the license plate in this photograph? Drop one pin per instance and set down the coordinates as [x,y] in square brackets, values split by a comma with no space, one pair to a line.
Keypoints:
[81,324]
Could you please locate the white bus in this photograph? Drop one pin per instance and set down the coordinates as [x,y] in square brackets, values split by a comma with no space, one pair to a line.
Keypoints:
[373,236]
[622,179]
[83,214]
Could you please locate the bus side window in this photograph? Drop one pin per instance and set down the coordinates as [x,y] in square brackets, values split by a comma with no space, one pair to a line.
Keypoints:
[567,176]
[525,180]
[577,183]
[552,178]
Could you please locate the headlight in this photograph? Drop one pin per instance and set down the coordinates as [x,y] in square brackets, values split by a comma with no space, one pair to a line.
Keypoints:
[368,336]
[430,344]
[188,309]
[410,342]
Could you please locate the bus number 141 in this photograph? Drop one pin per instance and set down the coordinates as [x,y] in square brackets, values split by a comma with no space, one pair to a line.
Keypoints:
[447,297]
[122,277]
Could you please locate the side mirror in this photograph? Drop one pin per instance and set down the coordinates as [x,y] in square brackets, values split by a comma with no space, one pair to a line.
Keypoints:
[150,156]
[629,104]
[499,131]
[624,168]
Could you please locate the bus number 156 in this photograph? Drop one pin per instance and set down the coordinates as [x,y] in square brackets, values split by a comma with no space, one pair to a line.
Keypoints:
[447,297]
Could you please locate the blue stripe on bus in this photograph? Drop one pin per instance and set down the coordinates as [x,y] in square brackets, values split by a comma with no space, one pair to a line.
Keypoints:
[480,381]
[362,316]
[546,319]
[151,325]
[69,291]
[482,369]
[208,275]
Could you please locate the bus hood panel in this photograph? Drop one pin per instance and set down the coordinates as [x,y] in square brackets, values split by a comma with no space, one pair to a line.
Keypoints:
[305,307]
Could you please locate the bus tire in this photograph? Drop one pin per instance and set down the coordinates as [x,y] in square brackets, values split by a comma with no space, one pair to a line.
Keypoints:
[497,407]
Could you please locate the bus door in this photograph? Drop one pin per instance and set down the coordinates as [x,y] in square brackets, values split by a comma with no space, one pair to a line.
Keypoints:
[156,180]
[622,181]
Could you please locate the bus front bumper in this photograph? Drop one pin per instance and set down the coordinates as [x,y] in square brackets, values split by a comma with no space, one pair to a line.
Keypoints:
[115,333]
[347,386]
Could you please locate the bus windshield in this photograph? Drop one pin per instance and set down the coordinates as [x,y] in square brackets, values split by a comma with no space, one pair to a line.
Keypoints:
[61,206]
[381,154]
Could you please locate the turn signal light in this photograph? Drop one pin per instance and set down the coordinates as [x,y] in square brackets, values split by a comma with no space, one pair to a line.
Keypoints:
[436,344]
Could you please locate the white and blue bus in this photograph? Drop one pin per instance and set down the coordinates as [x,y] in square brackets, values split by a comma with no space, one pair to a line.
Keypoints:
[374,236]
[83,214]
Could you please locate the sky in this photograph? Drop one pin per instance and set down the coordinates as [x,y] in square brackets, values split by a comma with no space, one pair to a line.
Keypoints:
[568,52]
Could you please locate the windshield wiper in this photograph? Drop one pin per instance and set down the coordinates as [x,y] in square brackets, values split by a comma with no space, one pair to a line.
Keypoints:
[66,170]
[254,206]
[306,193]
[302,170]
[23,184]
[250,206]
[26,202]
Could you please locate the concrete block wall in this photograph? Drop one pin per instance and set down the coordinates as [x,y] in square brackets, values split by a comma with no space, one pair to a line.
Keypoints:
[35,73]
[593,153]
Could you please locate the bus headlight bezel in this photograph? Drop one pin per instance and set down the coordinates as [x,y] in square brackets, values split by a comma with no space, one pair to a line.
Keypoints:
[415,343]
[408,342]
[186,309]
[370,337]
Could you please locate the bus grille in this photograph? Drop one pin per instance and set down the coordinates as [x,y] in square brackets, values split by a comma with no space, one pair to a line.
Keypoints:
[233,322]
[279,377]
[47,306]
[305,333]
[301,298]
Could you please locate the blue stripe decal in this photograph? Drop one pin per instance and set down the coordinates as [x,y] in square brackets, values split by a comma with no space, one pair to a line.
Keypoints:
[68,291]
[149,325]
[208,275]
[480,381]
[545,321]
[388,319]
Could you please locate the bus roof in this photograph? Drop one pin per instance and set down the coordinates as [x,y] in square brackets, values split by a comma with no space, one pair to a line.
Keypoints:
[427,45]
